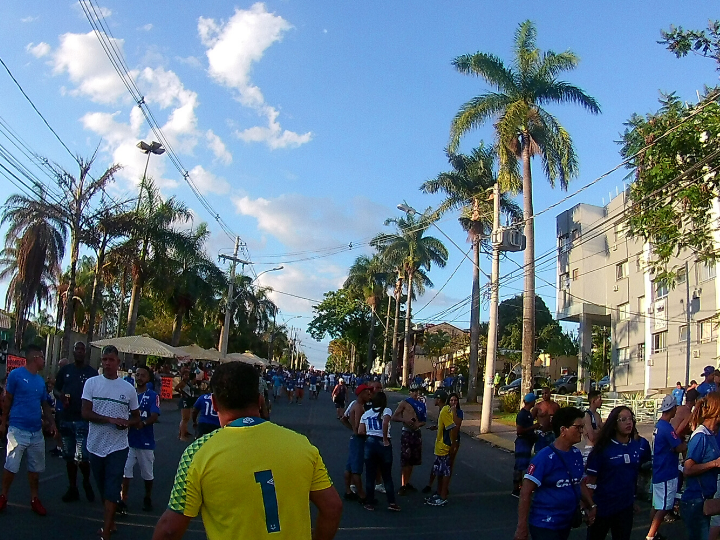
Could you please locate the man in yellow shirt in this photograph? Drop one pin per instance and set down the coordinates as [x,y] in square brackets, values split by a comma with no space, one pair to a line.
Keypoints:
[251,478]
[446,436]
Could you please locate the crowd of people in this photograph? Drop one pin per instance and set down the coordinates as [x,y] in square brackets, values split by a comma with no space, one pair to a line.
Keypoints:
[587,468]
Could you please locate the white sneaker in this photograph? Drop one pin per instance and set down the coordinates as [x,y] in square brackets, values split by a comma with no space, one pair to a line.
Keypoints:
[380,488]
[353,488]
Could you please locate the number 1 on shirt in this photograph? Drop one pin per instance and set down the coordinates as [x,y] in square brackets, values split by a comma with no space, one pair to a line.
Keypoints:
[267,486]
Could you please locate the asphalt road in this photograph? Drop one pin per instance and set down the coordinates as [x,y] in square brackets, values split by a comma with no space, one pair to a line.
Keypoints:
[479,503]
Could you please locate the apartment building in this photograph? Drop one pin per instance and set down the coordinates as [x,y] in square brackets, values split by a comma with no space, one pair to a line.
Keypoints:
[603,279]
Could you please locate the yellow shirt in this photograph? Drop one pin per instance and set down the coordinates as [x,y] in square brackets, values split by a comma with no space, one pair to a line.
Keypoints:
[250,480]
[445,426]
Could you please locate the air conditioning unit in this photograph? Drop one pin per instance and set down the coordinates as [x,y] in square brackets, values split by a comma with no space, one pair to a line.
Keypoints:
[614,247]
[697,292]
[696,353]
[509,239]
[615,288]
[650,310]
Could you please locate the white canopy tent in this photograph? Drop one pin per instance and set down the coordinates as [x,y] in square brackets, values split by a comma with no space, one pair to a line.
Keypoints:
[142,345]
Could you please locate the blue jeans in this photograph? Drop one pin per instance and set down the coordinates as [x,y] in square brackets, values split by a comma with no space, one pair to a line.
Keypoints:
[697,524]
[74,440]
[108,473]
[355,455]
[378,456]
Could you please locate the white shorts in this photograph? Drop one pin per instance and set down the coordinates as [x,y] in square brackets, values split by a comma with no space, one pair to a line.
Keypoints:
[312,387]
[144,458]
[664,494]
[18,442]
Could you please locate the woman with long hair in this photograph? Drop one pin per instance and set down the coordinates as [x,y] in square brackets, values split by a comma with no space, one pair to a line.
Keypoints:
[701,466]
[612,470]
[458,416]
[186,389]
[375,423]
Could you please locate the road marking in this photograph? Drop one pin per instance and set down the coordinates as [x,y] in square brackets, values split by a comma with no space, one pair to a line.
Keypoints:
[51,477]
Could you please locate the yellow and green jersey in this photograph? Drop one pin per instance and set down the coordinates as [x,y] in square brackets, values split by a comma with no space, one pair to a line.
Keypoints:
[444,438]
[250,479]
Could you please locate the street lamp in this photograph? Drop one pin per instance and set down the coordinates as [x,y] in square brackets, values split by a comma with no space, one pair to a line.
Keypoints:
[152,148]
[266,271]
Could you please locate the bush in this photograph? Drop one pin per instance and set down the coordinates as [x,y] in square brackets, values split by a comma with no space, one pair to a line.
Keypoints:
[510,402]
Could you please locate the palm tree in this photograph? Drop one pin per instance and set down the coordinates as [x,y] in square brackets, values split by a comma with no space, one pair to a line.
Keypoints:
[524,129]
[466,188]
[34,248]
[411,251]
[154,236]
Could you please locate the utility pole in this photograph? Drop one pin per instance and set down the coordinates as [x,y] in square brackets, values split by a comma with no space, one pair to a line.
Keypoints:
[687,322]
[491,354]
[225,333]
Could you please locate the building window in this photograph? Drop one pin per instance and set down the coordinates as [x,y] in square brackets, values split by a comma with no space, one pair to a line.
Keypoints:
[661,289]
[576,274]
[623,312]
[681,275]
[707,271]
[642,308]
[564,243]
[659,342]
[641,352]
[623,355]
[619,230]
[683,333]
[575,234]
[706,330]
[621,270]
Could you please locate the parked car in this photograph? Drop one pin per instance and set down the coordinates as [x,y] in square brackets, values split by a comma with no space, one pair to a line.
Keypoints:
[565,385]
[538,382]
[603,384]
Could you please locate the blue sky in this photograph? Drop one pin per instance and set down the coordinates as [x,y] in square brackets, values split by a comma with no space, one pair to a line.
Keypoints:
[305,123]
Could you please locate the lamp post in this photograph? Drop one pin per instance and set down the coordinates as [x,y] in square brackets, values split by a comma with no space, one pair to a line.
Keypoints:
[151,148]
[266,271]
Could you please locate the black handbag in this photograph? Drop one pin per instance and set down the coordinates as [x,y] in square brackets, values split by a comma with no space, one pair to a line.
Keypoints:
[577,518]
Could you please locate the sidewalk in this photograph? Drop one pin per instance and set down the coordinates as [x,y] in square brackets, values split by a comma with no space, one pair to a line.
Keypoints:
[502,434]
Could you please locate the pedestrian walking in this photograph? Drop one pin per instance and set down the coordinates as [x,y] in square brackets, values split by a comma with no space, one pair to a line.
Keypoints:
[525,426]
[290,386]
[141,439]
[543,413]
[278,381]
[110,404]
[551,492]
[186,389]
[666,447]
[702,463]
[592,421]
[26,409]
[205,417]
[458,417]
[612,472]
[375,425]
[279,472]
[412,412]
[300,387]
[446,437]
[69,384]
[339,395]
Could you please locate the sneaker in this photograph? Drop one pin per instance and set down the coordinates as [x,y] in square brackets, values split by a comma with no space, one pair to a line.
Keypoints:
[436,502]
[671,517]
[122,509]
[351,496]
[147,505]
[72,494]
[56,452]
[380,488]
[353,488]
[402,491]
[432,497]
[426,489]
[515,493]
[89,493]
[369,507]
[393,507]
[3,502]
[411,488]
[37,507]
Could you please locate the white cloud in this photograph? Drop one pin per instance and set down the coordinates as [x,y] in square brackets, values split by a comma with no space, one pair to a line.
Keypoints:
[207,182]
[105,12]
[82,57]
[29,19]
[300,221]
[215,143]
[39,50]
[191,61]
[147,27]
[232,48]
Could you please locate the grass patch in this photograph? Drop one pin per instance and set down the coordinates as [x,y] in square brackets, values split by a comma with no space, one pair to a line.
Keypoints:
[507,418]
[399,390]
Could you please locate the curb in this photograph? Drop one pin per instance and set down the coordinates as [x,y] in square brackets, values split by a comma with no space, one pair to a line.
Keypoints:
[497,441]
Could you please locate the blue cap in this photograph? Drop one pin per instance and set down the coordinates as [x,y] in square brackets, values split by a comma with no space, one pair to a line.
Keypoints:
[529,398]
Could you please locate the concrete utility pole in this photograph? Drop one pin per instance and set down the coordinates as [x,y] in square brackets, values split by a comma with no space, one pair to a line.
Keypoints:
[687,322]
[491,354]
[225,333]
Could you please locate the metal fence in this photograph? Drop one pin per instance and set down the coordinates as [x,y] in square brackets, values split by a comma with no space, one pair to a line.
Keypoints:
[645,410]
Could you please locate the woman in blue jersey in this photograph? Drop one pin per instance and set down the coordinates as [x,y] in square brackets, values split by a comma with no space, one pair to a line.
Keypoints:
[701,466]
[612,471]
[550,491]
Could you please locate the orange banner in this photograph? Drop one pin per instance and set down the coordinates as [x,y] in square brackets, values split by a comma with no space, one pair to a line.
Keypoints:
[167,388]
[14,362]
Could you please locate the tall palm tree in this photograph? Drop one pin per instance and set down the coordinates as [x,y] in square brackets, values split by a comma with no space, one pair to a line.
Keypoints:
[154,236]
[524,129]
[466,188]
[411,250]
[34,248]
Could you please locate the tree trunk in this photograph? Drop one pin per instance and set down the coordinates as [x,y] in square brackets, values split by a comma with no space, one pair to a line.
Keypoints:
[387,331]
[393,363]
[528,336]
[177,327]
[123,292]
[371,339]
[96,294]
[133,307]
[70,295]
[408,308]
[474,324]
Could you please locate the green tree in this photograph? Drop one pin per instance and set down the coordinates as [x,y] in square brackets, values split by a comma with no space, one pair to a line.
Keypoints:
[703,42]
[466,188]
[409,249]
[524,129]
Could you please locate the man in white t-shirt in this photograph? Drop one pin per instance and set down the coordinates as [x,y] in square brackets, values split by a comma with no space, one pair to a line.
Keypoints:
[110,404]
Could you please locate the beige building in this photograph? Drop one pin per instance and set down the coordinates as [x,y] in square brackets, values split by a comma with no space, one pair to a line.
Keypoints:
[603,279]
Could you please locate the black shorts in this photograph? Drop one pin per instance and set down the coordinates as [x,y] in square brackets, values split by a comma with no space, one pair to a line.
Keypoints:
[204,429]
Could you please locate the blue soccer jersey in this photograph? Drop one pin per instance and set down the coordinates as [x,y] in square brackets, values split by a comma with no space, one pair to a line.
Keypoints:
[289,384]
[208,414]
[702,448]
[144,438]
[665,459]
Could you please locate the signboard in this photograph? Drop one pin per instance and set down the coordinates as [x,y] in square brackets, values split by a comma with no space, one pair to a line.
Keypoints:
[167,388]
[14,362]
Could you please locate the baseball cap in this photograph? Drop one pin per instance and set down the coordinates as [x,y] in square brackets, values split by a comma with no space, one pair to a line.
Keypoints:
[440,394]
[361,388]
[529,398]
[709,370]
[668,403]
[414,387]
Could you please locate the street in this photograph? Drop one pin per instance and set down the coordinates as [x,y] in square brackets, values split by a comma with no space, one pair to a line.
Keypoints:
[480,502]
